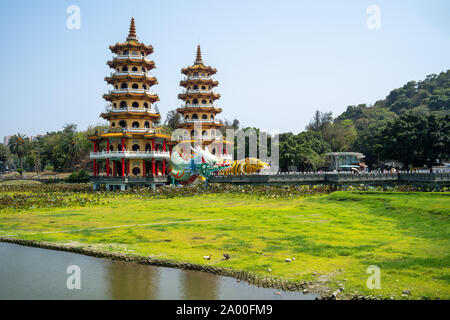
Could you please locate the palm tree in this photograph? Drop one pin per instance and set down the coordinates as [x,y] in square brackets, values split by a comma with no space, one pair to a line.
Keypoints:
[72,146]
[19,145]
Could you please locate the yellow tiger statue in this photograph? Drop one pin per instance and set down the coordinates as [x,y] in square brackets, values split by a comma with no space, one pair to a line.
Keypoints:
[245,166]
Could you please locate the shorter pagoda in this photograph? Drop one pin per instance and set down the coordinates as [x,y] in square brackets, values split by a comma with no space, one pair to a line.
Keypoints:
[199,107]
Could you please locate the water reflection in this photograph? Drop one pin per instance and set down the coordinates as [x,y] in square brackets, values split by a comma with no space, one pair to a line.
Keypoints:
[33,273]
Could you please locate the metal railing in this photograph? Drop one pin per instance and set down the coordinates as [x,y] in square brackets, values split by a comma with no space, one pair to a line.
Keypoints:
[126,90]
[133,73]
[201,121]
[197,78]
[198,91]
[110,108]
[209,105]
[130,154]
[131,56]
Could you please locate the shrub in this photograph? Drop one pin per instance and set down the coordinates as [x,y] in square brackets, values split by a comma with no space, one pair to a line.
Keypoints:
[78,177]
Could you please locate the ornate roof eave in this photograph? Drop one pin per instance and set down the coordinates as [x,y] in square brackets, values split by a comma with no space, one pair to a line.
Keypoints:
[131,45]
[149,80]
[199,109]
[140,96]
[185,83]
[131,114]
[198,67]
[183,96]
[115,135]
[157,135]
[205,125]
[116,62]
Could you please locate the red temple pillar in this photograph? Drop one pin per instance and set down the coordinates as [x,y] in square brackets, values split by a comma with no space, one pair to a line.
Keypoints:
[170,150]
[153,166]
[107,160]
[164,145]
[123,159]
[128,167]
[153,144]
[164,167]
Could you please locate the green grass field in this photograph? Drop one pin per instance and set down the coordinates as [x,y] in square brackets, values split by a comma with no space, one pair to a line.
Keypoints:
[334,238]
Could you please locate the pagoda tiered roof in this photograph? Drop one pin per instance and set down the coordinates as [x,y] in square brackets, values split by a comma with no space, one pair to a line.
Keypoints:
[132,42]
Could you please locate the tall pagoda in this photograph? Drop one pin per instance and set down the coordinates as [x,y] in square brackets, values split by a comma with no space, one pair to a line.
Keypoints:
[199,105]
[136,152]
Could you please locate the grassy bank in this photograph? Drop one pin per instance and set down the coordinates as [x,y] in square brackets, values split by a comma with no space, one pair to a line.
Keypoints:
[333,238]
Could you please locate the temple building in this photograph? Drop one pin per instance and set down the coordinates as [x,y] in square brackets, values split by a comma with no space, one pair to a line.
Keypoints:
[135,151]
[199,107]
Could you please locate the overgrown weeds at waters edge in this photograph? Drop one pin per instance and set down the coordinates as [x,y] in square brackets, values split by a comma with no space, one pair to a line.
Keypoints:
[58,195]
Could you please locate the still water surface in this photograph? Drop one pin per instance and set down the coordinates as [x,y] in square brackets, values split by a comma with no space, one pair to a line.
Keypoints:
[34,273]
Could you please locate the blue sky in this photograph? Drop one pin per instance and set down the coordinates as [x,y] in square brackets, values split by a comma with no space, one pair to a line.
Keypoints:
[277,61]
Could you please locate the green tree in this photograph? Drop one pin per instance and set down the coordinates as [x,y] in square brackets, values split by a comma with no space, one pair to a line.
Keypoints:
[19,145]
[340,135]
[5,157]
[173,119]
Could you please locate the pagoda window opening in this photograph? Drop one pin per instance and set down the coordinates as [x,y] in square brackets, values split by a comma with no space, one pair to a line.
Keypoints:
[145,105]
[195,74]
[125,68]
[124,85]
[148,147]
[147,124]
[144,86]
[186,118]
[188,102]
[135,104]
[111,148]
[143,70]
[196,87]
[135,124]
[189,88]
[203,101]
[115,105]
[195,101]
[195,116]
[134,69]
[203,88]
[204,116]
[113,124]
[210,101]
[123,104]
[136,171]
[125,52]
[135,147]
[116,87]
[212,117]
[123,124]
[135,86]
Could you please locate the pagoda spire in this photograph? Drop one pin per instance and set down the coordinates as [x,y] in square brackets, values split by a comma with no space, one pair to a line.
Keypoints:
[198,59]
[132,33]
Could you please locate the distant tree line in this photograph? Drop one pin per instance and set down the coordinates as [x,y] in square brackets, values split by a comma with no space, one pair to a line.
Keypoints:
[411,125]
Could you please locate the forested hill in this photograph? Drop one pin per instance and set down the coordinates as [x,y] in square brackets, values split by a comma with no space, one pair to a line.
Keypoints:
[431,95]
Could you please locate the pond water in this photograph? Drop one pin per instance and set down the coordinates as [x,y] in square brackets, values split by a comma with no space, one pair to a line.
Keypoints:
[34,273]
